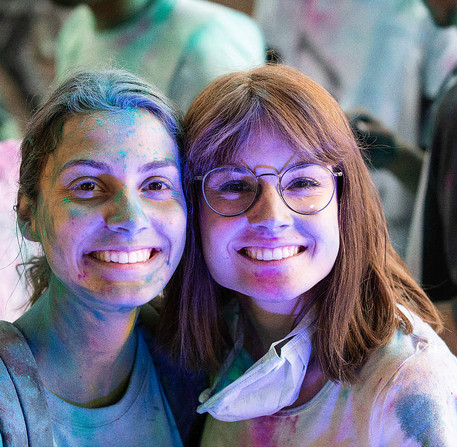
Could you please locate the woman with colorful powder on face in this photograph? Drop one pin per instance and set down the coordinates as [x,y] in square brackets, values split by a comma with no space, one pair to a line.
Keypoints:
[293,298]
[100,190]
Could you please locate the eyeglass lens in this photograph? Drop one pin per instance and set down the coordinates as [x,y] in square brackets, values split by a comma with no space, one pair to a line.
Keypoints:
[306,189]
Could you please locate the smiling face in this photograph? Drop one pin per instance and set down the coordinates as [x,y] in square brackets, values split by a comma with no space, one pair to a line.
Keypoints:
[270,253]
[111,214]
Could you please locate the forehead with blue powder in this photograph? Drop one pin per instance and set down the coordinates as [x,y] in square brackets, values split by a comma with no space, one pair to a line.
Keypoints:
[101,127]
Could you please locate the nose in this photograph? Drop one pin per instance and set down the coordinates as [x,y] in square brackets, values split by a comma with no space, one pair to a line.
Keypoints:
[127,214]
[269,211]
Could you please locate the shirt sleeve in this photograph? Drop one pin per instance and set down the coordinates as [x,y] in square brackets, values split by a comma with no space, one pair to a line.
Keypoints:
[418,405]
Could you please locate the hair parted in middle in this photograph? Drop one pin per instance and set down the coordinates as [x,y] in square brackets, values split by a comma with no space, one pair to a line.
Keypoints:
[82,93]
[357,302]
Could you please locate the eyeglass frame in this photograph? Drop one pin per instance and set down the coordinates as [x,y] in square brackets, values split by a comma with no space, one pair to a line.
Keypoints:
[335,175]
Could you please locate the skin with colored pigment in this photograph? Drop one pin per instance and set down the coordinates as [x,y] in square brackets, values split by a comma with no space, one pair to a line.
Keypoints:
[111,219]
[313,240]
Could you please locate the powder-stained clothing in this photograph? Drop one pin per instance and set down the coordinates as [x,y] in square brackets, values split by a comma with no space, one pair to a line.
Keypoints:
[406,395]
[141,418]
[178,45]
[159,407]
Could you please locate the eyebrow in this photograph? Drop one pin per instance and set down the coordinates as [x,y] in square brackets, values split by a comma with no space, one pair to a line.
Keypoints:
[86,162]
[158,164]
[101,166]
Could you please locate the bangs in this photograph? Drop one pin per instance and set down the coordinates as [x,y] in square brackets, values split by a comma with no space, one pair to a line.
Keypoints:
[229,115]
[221,143]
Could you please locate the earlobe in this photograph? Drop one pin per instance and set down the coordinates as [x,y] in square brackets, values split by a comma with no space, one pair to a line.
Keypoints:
[26,217]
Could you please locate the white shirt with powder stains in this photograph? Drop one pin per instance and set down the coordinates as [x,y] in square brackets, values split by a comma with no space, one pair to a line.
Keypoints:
[406,396]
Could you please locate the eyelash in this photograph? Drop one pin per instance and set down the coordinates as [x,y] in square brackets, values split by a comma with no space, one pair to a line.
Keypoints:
[163,182]
[98,188]
[78,187]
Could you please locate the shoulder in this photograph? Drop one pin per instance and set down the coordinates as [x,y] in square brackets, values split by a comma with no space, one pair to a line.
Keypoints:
[21,391]
[413,382]
[405,354]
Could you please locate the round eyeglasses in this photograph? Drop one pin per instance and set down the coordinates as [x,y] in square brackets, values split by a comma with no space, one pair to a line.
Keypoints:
[305,188]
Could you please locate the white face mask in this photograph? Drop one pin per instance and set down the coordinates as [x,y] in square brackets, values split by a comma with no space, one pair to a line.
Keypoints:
[272,383]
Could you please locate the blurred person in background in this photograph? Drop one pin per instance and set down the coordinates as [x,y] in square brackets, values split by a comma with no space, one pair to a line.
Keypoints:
[432,251]
[179,45]
[28,31]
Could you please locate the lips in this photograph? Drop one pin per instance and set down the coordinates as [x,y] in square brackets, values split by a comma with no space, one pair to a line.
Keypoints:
[123,257]
[272,254]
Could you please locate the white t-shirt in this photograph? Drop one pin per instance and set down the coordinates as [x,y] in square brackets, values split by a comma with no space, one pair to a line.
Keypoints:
[178,45]
[406,396]
[141,418]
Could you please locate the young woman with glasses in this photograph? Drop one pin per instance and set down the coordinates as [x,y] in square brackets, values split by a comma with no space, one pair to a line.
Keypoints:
[294,300]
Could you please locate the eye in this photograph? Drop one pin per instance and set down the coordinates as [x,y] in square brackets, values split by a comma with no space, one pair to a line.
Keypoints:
[299,183]
[86,188]
[235,186]
[158,188]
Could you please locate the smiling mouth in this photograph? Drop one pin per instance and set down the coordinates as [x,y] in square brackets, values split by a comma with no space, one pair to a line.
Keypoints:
[122,257]
[271,254]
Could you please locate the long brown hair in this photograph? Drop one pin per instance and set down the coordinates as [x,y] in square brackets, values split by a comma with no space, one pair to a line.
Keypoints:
[357,303]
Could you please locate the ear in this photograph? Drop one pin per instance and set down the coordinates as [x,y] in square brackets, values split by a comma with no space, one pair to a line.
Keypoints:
[26,217]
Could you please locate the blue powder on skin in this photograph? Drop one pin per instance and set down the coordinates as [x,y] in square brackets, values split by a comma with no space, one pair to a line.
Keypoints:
[75,213]
[416,414]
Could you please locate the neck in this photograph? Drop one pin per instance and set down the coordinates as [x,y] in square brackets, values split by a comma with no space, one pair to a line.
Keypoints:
[84,354]
[264,325]
[110,13]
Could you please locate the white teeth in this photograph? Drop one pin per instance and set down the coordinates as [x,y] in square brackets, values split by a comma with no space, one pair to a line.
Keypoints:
[122,257]
[269,254]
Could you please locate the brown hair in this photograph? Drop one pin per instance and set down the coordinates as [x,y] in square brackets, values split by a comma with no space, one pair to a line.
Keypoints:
[357,303]
[82,93]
